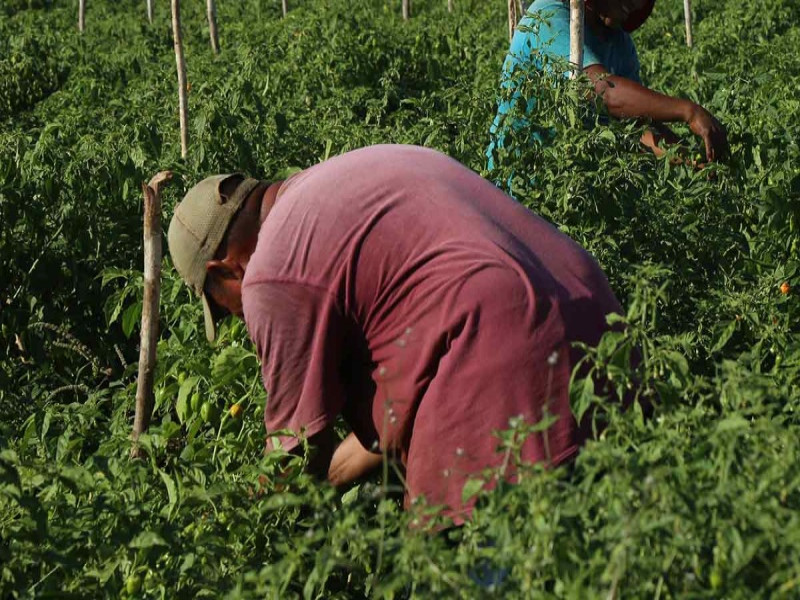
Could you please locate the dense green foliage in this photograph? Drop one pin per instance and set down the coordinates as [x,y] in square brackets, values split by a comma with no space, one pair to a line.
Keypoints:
[700,501]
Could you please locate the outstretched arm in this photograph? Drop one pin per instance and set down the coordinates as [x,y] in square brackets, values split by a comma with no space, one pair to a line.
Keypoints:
[625,98]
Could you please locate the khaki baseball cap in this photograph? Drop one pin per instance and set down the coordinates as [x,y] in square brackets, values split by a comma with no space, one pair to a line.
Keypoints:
[196,230]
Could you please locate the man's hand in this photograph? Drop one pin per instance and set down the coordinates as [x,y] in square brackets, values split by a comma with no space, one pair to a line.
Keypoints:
[706,126]
[351,461]
[655,135]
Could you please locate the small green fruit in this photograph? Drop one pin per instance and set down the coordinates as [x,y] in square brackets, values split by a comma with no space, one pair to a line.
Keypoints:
[195,402]
[715,579]
[133,584]
[209,412]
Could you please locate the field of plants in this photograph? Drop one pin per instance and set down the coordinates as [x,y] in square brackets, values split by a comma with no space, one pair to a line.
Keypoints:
[701,501]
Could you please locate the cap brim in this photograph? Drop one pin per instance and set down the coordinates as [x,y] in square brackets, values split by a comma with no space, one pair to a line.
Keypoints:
[208,317]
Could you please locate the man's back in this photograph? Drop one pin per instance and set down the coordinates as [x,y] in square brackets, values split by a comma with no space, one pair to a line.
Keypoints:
[398,287]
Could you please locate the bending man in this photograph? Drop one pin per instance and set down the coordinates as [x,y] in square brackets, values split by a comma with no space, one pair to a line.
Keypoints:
[394,286]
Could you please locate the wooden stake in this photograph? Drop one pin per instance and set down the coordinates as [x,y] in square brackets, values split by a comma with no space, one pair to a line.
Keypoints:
[177,40]
[152,289]
[211,9]
[576,35]
[512,18]
[284,8]
[520,10]
[81,15]
[450,6]
[406,9]
[150,11]
[687,16]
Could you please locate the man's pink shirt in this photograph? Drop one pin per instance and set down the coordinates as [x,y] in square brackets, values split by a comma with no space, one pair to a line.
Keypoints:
[396,287]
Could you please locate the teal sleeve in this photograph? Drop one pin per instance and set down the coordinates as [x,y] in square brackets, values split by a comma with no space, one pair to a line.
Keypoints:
[547,31]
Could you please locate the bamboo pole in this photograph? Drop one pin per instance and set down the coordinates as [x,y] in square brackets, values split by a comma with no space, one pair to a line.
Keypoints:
[152,289]
[284,8]
[150,11]
[576,35]
[512,18]
[178,42]
[406,9]
[81,15]
[687,16]
[450,6]
[211,10]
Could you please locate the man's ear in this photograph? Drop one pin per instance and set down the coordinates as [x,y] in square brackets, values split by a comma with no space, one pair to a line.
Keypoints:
[224,269]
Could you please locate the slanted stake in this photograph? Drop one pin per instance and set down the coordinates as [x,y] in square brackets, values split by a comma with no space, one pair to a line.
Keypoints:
[152,289]
[150,11]
[512,18]
[576,35]
[211,11]
[81,15]
[406,4]
[178,42]
[284,8]
[687,16]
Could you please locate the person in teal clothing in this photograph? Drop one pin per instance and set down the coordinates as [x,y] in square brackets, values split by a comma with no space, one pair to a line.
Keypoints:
[611,63]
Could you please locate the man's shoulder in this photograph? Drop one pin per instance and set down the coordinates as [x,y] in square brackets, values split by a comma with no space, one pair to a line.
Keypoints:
[359,167]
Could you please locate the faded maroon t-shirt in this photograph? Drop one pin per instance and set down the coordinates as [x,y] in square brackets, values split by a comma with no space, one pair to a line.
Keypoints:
[396,287]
